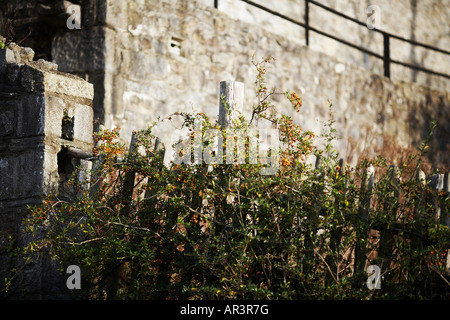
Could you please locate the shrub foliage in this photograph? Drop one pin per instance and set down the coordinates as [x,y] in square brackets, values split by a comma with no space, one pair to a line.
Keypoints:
[141,230]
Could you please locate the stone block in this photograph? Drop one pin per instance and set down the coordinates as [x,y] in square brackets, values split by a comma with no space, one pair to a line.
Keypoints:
[82,51]
[6,122]
[116,14]
[83,124]
[51,176]
[68,85]
[30,115]
[93,13]
[54,114]
[67,51]
[12,73]
[27,54]
[6,56]
[32,79]
[24,144]
[108,50]
[21,175]
[44,65]
[138,66]
[60,111]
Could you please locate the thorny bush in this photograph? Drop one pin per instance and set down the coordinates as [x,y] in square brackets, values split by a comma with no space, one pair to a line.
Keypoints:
[141,230]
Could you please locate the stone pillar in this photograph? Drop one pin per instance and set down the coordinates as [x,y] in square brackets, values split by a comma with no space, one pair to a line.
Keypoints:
[43,113]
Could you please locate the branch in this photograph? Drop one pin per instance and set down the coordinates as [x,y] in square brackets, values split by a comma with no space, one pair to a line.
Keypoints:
[443,278]
[83,242]
[130,227]
[328,267]
[202,214]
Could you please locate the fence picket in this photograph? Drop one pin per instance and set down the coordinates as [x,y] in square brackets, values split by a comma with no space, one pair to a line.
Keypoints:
[416,237]
[362,232]
[231,101]
[436,183]
[336,234]
[390,207]
[113,279]
[445,215]
[129,178]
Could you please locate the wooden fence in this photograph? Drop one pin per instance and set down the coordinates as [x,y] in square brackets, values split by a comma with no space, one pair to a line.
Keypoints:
[232,101]
[437,183]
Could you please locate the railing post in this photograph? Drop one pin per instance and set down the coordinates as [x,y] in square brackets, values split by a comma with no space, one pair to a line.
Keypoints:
[307,22]
[387,56]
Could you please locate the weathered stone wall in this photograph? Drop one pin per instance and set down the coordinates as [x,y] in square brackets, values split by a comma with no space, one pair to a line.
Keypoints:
[425,21]
[42,112]
[36,22]
[149,59]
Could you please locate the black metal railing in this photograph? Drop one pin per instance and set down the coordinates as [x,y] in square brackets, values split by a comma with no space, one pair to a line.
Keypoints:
[386,57]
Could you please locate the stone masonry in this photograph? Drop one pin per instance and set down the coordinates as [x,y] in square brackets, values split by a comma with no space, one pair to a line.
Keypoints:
[43,112]
[148,59]
[424,21]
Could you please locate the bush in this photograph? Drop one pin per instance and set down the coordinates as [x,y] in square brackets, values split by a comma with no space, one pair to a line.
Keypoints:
[146,231]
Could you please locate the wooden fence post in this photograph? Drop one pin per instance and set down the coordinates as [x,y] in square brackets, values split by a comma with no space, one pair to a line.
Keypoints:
[416,238]
[231,105]
[336,234]
[128,180]
[436,183]
[390,207]
[127,193]
[231,102]
[445,220]
[95,178]
[319,162]
[445,215]
[362,231]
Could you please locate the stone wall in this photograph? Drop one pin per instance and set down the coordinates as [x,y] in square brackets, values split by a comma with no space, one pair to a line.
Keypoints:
[148,59]
[425,21]
[43,112]
[36,22]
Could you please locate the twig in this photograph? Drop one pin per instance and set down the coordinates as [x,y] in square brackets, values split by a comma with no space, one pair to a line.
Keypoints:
[443,278]
[328,267]
[129,227]
[83,242]
[18,43]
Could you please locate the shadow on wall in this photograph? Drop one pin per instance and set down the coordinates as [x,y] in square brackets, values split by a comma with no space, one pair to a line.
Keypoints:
[419,119]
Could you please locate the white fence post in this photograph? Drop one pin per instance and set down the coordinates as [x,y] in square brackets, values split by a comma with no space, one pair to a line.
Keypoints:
[231,102]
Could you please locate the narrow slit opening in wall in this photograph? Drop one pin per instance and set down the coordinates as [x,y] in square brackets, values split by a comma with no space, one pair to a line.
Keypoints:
[175,45]
[67,127]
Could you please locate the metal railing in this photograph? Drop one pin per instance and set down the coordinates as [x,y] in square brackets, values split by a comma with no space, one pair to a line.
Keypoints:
[386,57]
